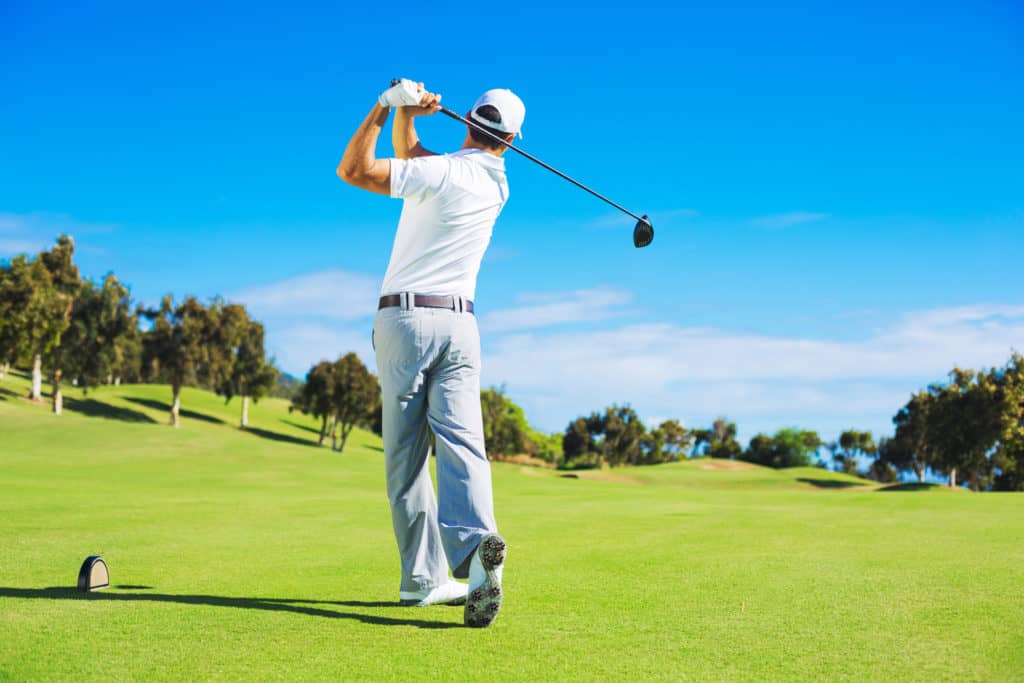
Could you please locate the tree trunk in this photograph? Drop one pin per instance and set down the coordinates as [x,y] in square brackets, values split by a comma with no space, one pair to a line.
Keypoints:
[110,379]
[952,478]
[920,474]
[323,430]
[245,412]
[333,431]
[175,407]
[344,439]
[4,369]
[37,378]
[117,381]
[58,396]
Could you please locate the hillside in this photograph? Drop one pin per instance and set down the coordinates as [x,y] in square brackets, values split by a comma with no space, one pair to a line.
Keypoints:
[258,555]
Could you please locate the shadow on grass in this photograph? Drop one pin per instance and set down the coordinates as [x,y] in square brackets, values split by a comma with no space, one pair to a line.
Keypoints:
[379,449]
[275,436]
[915,486]
[268,604]
[166,407]
[299,425]
[828,483]
[90,407]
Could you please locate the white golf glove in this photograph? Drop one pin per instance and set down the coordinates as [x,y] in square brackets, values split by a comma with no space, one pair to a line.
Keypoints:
[404,94]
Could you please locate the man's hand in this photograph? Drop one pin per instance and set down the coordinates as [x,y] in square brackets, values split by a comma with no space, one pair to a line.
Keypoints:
[412,97]
[430,103]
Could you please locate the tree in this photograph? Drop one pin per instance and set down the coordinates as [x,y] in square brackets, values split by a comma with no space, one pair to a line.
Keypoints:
[44,321]
[851,446]
[895,454]
[315,397]
[23,286]
[547,447]
[667,442]
[8,328]
[178,345]
[719,441]
[652,447]
[577,444]
[678,440]
[970,428]
[355,394]
[66,283]
[506,431]
[374,421]
[760,450]
[796,447]
[253,376]
[33,313]
[624,433]
[789,447]
[238,362]
[127,359]
[881,471]
[102,317]
[1008,457]
[964,426]
[616,437]
[912,446]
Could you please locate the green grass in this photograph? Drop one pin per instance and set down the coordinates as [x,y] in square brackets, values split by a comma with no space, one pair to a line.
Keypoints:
[259,556]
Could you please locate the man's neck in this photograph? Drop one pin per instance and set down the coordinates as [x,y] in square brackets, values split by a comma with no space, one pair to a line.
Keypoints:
[470,143]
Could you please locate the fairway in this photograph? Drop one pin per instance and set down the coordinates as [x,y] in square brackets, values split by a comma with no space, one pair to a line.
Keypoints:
[257,555]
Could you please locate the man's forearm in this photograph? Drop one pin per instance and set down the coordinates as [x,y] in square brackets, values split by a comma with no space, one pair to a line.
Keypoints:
[404,138]
[361,152]
[403,134]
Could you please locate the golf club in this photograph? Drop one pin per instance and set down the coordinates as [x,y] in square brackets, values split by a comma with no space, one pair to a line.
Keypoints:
[643,233]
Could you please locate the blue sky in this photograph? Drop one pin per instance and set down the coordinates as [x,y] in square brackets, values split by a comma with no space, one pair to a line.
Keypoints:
[838,191]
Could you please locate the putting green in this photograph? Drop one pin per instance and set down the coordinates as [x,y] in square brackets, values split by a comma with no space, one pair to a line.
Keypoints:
[256,555]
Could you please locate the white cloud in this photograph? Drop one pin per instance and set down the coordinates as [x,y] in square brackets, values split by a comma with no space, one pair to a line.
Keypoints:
[548,309]
[557,370]
[296,348]
[334,294]
[785,220]
[695,373]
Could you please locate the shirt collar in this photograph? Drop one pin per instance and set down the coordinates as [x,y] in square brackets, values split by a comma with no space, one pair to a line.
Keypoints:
[482,157]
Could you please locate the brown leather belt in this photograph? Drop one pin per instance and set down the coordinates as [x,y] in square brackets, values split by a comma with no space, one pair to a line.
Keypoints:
[428,301]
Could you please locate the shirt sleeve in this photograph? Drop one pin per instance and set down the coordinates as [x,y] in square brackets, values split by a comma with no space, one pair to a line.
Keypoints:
[418,177]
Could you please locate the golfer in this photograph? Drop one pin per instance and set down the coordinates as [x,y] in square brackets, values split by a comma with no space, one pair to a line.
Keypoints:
[428,347]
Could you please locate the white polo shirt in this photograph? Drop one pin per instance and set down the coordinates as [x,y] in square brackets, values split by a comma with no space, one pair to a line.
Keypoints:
[451,203]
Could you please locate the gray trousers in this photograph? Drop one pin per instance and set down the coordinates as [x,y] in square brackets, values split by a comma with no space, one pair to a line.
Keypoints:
[429,365]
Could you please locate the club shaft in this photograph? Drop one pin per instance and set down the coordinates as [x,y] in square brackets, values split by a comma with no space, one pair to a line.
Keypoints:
[449,112]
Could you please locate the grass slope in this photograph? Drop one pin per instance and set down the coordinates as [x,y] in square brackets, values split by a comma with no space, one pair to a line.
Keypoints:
[259,556]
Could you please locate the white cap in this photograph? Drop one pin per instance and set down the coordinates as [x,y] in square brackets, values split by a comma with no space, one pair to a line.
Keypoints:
[510,108]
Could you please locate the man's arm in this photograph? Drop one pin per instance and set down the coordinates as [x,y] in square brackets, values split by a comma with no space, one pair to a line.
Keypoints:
[403,132]
[359,165]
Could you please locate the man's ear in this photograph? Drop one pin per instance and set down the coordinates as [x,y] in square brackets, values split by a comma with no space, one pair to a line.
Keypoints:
[510,138]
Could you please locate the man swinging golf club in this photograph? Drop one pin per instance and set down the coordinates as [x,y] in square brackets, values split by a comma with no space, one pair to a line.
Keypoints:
[427,343]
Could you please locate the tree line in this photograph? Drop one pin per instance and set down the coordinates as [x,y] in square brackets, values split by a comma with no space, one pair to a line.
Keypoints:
[71,329]
[969,429]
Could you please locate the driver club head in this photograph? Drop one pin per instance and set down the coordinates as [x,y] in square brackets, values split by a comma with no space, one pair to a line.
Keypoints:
[643,233]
